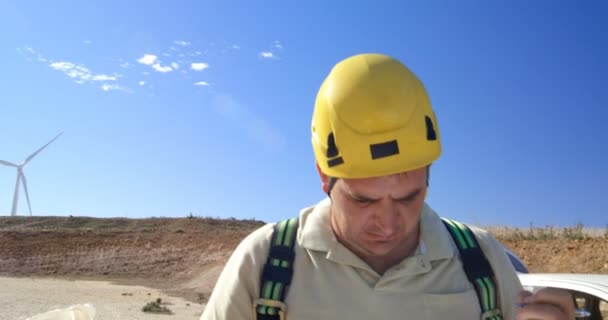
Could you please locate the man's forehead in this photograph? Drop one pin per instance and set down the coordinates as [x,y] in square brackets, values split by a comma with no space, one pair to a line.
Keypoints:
[407,176]
[398,185]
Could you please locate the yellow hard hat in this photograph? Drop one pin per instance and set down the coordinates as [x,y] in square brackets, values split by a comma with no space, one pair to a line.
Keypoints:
[372,117]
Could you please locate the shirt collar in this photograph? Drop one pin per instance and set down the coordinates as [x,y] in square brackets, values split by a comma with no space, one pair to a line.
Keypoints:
[316,233]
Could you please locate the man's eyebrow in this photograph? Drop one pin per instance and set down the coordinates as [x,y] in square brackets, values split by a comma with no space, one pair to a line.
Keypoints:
[410,196]
[358,196]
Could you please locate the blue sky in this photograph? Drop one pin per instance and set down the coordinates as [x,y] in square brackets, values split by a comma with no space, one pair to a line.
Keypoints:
[175,107]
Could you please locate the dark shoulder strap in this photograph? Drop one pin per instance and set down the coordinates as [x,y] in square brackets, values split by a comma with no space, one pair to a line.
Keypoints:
[277,272]
[477,268]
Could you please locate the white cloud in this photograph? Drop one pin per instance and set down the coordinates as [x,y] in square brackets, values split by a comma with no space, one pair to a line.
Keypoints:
[267,55]
[82,74]
[104,77]
[78,73]
[147,59]
[114,87]
[270,54]
[255,127]
[198,53]
[62,66]
[235,47]
[30,54]
[87,42]
[145,73]
[202,84]
[161,69]
[125,65]
[72,70]
[141,83]
[152,60]
[199,66]
[182,43]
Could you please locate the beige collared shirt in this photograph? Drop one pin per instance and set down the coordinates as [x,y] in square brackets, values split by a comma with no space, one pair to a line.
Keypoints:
[330,282]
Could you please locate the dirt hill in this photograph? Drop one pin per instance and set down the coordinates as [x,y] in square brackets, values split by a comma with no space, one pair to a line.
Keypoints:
[184,256]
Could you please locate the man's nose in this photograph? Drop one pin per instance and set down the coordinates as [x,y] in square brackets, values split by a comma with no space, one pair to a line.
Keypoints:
[387,218]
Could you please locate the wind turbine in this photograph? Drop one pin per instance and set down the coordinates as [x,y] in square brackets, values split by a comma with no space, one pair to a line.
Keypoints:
[21,177]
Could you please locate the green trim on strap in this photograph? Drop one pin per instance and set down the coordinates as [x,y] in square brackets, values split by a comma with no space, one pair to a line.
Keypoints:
[492,291]
[486,300]
[291,231]
[277,291]
[467,234]
[461,242]
[278,241]
[267,292]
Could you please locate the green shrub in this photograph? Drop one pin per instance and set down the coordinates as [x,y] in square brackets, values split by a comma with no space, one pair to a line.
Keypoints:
[156,307]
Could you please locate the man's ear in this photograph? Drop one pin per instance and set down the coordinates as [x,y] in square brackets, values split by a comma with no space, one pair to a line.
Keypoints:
[324,179]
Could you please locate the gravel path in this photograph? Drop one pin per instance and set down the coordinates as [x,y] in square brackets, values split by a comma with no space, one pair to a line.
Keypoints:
[21,298]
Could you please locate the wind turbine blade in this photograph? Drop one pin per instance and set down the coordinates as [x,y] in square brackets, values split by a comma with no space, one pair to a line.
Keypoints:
[27,194]
[16,194]
[38,151]
[6,163]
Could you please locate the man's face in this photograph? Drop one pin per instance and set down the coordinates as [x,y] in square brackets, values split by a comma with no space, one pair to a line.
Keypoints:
[378,218]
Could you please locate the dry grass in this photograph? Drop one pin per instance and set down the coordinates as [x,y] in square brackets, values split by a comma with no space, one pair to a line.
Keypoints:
[577,232]
[156,307]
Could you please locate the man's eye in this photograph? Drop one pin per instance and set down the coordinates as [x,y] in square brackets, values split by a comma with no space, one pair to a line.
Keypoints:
[407,200]
[362,201]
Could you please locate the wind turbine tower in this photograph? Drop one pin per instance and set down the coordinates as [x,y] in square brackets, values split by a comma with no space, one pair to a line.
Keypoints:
[21,177]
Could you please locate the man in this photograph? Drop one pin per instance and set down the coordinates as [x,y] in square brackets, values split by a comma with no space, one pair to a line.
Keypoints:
[373,249]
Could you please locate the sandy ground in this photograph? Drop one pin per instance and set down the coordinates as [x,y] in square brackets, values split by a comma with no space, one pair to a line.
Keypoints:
[21,298]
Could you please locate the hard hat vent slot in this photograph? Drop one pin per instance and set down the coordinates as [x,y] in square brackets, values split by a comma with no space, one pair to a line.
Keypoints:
[385,149]
[430,129]
[332,152]
[332,149]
